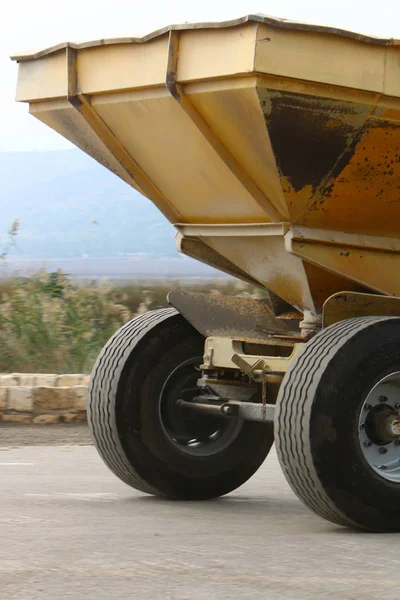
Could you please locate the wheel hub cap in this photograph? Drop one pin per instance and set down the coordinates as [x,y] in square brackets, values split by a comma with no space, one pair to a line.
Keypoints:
[379,428]
[192,434]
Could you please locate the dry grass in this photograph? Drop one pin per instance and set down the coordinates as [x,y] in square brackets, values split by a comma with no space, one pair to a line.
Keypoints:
[48,324]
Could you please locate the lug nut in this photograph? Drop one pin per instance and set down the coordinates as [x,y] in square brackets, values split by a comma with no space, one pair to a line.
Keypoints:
[367,444]
[383,399]
[367,407]
[362,426]
[382,450]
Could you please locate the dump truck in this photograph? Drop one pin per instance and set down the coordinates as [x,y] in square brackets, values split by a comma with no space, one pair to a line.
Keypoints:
[274,149]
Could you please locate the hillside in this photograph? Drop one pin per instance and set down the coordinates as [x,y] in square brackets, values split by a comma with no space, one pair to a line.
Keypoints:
[69,206]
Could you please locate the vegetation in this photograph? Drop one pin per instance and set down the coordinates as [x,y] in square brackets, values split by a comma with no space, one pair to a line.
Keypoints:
[11,238]
[50,324]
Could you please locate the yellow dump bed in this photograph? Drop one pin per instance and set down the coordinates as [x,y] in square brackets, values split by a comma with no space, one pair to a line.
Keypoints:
[274,147]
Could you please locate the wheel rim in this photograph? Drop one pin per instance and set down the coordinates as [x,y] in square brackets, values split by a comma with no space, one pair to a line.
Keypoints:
[192,433]
[379,428]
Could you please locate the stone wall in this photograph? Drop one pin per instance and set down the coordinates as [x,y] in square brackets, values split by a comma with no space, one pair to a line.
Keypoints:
[43,398]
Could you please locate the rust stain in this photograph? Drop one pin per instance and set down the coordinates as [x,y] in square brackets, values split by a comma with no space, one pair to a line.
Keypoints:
[395,425]
[363,195]
[308,135]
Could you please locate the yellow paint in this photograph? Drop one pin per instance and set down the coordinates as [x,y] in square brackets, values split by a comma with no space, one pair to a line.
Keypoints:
[371,268]
[234,114]
[321,57]
[191,125]
[225,52]
[42,79]
[166,141]
[128,66]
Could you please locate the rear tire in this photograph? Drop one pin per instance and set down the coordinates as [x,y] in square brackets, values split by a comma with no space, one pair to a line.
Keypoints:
[332,409]
[144,439]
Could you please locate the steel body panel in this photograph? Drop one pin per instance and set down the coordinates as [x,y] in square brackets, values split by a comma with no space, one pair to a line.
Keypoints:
[251,122]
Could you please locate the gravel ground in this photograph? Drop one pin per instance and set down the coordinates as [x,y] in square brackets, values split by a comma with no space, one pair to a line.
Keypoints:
[72,530]
[15,436]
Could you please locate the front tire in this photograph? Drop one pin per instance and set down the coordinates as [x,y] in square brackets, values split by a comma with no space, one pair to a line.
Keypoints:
[144,438]
[336,420]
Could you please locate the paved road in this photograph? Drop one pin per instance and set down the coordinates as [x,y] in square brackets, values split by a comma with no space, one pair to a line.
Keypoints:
[71,530]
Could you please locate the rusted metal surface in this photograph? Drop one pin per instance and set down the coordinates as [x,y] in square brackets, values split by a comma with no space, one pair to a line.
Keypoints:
[346,305]
[387,426]
[228,316]
[394,427]
[275,345]
[292,338]
[321,127]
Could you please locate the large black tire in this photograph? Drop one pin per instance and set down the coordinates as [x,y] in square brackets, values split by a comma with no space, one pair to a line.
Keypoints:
[127,424]
[317,425]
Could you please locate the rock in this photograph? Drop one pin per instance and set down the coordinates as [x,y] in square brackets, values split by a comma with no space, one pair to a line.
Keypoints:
[81,392]
[68,380]
[17,419]
[74,417]
[46,419]
[3,399]
[26,379]
[45,380]
[85,380]
[20,399]
[54,398]
[43,393]
[9,380]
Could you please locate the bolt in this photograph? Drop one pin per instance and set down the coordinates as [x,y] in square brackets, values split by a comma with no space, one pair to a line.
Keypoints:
[382,450]
[367,407]
[383,399]
[367,444]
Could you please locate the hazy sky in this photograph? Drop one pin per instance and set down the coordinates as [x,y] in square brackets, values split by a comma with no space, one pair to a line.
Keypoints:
[33,24]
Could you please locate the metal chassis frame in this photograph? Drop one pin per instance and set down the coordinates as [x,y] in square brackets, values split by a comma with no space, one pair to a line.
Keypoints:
[227,353]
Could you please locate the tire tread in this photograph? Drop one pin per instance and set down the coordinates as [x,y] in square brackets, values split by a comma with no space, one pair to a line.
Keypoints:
[103,387]
[293,411]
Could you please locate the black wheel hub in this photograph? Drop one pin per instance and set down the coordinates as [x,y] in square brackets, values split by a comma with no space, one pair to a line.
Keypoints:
[191,432]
